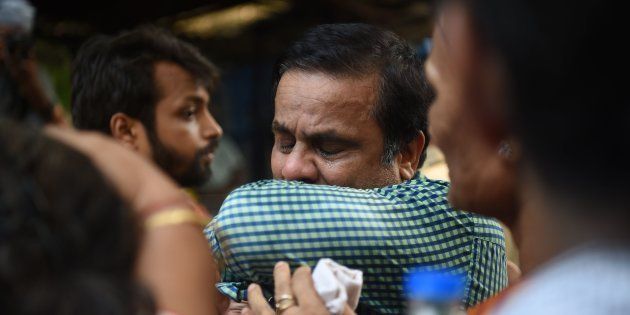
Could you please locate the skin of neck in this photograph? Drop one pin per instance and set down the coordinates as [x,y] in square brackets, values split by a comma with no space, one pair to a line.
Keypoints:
[551,222]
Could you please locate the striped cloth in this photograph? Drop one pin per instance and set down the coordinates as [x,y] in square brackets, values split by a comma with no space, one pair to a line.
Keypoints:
[384,232]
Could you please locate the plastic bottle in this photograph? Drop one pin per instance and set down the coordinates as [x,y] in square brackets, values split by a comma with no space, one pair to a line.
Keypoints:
[434,293]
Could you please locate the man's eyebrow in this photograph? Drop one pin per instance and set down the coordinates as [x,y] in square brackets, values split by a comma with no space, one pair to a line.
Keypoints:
[277,127]
[330,136]
[198,100]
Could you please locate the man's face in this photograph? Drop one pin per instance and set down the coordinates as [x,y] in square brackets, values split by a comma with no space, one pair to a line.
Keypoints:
[186,134]
[325,134]
[481,180]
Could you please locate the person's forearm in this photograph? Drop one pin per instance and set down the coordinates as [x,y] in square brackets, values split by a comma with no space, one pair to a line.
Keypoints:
[176,263]
[138,182]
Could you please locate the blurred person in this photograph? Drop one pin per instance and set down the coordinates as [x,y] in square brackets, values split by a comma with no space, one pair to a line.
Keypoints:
[351,104]
[83,253]
[151,92]
[482,175]
[172,260]
[511,75]
[22,96]
[64,249]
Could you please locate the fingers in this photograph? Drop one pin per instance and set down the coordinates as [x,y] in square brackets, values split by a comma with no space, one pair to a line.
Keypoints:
[304,289]
[257,302]
[282,280]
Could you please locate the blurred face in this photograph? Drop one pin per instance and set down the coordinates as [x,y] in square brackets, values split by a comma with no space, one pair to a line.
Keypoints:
[186,134]
[481,179]
[324,132]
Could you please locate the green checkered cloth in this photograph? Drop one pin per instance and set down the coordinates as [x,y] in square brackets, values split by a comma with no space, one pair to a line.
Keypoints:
[384,232]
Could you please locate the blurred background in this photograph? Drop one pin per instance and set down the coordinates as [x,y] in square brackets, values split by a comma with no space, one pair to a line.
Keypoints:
[244,38]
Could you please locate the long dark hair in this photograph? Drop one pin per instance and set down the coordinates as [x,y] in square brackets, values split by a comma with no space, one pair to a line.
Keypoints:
[68,243]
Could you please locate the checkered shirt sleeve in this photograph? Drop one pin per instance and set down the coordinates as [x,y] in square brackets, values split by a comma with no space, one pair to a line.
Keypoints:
[384,232]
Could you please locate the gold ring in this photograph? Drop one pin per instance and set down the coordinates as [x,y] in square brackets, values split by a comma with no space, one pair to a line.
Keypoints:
[284,302]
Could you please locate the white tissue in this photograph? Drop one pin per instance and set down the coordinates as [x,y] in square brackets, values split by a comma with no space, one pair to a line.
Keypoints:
[337,285]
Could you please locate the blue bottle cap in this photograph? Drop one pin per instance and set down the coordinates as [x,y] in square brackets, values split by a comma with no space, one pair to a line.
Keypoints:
[434,286]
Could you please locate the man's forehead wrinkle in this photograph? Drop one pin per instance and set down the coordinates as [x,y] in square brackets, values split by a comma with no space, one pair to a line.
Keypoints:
[294,94]
[314,104]
[300,99]
[323,88]
[337,100]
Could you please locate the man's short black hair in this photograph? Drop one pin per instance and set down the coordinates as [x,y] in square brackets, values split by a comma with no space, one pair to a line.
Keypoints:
[116,74]
[358,50]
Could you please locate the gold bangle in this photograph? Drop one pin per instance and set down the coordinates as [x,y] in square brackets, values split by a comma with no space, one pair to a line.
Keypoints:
[173,216]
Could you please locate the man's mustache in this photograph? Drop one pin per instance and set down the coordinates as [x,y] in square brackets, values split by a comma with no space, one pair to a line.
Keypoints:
[211,147]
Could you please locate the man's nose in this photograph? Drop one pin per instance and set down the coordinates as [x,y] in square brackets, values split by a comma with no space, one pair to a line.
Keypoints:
[210,129]
[301,167]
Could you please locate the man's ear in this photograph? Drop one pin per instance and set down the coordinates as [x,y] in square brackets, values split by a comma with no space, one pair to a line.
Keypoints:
[409,157]
[125,130]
